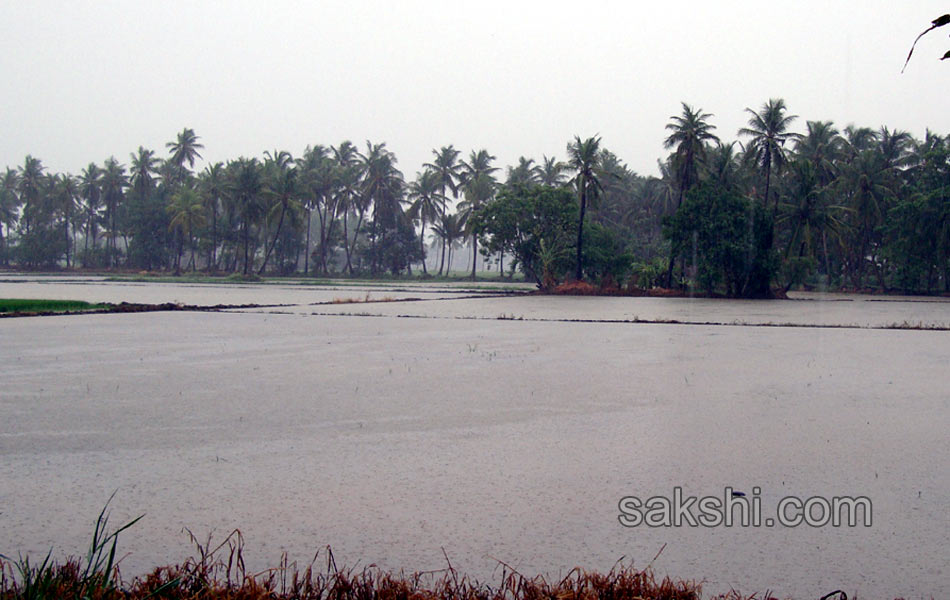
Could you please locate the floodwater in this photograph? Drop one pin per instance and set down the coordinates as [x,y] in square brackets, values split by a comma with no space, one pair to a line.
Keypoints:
[498,439]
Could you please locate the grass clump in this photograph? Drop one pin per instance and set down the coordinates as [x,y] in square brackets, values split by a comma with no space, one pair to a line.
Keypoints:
[26,305]
[219,574]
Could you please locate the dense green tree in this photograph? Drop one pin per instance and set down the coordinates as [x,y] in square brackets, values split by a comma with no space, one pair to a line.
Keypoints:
[730,238]
[534,225]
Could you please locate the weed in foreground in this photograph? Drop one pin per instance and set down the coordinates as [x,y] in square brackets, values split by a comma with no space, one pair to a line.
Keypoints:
[218,572]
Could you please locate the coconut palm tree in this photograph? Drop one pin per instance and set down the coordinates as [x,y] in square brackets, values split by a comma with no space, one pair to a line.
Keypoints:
[9,208]
[525,174]
[583,159]
[212,186]
[114,182]
[768,131]
[245,186]
[426,203]
[477,181]
[31,181]
[451,228]
[65,195]
[822,146]
[808,212]
[187,212]
[382,189]
[89,189]
[446,164]
[184,149]
[551,172]
[867,181]
[144,167]
[281,192]
[857,140]
[690,134]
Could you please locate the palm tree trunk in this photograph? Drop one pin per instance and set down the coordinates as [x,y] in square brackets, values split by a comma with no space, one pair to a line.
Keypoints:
[580,232]
[346,241]
[181,246]
[372,267]
[247,242]
[356,235]
[66,227]
[306,252]
[333,218]
[213,265]
[474,254]
[280,222]
[442,262]
[422,242]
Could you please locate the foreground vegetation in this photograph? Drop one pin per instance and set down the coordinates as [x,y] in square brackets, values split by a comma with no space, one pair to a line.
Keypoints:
[30,306]
[218,572]
[854,208]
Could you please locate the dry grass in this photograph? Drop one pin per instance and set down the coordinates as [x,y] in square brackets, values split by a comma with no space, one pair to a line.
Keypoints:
[367,298]
[218,573]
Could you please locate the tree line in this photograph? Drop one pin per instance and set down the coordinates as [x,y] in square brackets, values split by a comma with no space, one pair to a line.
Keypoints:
[839,208]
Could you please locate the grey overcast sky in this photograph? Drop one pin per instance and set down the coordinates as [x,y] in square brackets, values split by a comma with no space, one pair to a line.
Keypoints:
[83,80]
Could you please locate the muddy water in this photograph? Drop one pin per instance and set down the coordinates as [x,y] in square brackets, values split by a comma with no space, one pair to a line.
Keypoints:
[391,438]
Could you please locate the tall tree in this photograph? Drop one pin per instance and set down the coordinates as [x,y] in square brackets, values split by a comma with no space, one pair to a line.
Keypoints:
[583,159]
[383,189]
[184,150]
[246,187]
[524,174]
[551,172]
[89,189]
[144,168]
[768,131]
[477,180]
[690,133]
[114,182]
[426,203]
[281,192]
[30,186]
[66,193]
[446,164]
[187,214]
[9,209]
[212,185]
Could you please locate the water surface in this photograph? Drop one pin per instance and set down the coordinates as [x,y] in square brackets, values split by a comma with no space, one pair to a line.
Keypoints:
[391,438]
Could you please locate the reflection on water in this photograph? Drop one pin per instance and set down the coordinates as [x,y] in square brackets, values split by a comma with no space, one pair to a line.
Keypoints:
[391,438]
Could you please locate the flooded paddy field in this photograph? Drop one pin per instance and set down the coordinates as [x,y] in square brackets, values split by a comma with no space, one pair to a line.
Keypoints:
[283,292]
[391,438]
